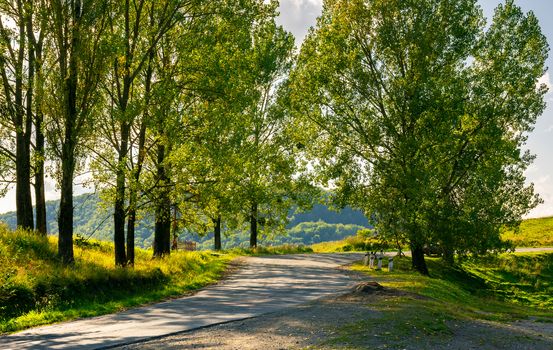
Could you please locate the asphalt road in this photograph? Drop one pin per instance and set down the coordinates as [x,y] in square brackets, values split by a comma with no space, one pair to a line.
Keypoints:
[265,284]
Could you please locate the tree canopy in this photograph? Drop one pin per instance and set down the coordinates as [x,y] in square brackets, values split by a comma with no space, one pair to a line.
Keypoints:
[420,111]
[205,117]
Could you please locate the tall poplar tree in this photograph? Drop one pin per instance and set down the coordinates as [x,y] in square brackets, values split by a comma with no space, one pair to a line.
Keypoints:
[17,60]
[78,51]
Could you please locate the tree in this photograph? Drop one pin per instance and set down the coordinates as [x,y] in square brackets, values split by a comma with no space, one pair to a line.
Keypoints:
[78,52]
[37,33]
[141,25]
[17,70]
[208,151]
[417,119]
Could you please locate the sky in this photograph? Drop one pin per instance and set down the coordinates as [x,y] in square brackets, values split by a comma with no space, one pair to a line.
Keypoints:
[297,16]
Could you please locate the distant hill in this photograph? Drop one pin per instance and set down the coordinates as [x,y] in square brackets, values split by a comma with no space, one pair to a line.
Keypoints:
[533,233]
[317,225]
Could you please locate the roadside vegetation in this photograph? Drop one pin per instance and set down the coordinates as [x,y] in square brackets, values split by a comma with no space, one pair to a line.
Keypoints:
[36,288]
[364,240]
[510,284]
[425,311]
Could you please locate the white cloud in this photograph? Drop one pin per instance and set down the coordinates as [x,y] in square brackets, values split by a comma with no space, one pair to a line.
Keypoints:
[544,186]
[546,80]
[297,16]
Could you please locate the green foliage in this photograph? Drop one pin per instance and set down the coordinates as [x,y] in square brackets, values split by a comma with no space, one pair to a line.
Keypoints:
[424,129]
[35,288]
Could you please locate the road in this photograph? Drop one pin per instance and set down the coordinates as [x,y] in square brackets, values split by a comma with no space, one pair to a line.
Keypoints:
[533,250]
[264,284]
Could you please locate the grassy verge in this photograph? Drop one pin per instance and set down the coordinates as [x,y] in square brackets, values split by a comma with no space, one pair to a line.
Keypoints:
[507,285]
[271,250]
[504,288]
[36,289]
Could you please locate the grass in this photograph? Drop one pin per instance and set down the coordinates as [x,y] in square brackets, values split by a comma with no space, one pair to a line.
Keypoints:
[36,289]
[519,284]
[533,233]
[329,247]
[501,288]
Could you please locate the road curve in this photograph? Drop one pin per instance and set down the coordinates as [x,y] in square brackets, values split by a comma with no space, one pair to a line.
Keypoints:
[264,284]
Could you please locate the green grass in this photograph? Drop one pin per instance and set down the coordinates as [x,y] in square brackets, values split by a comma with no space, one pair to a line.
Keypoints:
[533,233]
[518,284]
[36,289]
[503,288]
[271,250]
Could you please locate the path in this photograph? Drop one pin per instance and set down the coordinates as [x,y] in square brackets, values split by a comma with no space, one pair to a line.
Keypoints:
[533,250]
[265,284]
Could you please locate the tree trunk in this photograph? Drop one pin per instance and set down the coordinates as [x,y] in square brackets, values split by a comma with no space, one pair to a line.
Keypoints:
[217,233]
[40,198]
[162,233]
[24,204]
[448,255]
[65,219]
[253,225]
[119,205]
[418,262]
[23,124]
[141,156]
[131,223]
[69,143]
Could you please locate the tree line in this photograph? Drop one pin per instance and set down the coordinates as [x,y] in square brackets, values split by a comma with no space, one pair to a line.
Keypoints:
[203,114]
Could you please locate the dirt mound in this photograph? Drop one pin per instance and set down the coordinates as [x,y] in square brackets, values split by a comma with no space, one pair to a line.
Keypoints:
[370,290]
[367,288]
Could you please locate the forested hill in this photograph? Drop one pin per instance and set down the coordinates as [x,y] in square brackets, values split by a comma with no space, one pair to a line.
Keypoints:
[317,225]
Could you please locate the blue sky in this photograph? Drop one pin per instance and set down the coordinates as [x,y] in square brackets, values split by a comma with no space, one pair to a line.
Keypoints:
[298,15]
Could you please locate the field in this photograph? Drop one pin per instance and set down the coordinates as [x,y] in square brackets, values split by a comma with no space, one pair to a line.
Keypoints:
[533,233]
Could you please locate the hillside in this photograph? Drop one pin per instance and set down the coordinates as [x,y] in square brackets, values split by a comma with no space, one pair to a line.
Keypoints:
[317,225]
[533,233]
